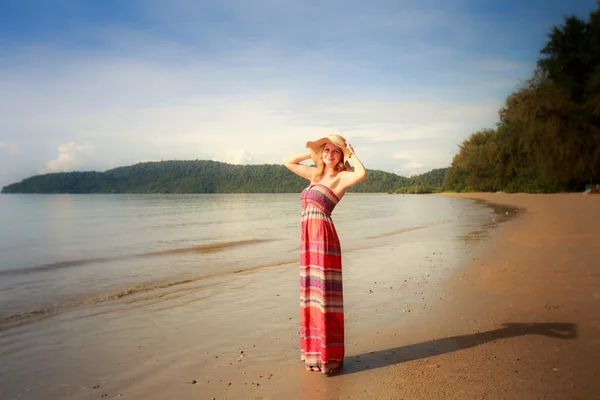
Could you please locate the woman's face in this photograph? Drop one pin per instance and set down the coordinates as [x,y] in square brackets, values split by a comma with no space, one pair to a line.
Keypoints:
[332,155]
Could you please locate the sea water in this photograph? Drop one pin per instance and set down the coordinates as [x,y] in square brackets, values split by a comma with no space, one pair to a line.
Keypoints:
[58,252]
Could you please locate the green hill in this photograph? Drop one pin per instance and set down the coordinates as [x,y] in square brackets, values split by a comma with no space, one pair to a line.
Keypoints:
[201,176]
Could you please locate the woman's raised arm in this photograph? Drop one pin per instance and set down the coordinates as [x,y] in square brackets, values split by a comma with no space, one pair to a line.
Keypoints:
[293,164]
[350,178]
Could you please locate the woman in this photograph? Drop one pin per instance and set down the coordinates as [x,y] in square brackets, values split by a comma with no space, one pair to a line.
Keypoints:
[321,297]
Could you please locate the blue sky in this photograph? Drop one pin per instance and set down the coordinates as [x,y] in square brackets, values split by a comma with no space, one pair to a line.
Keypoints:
[92,85]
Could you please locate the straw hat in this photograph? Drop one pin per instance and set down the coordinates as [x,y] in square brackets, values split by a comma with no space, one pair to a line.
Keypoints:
[336,140]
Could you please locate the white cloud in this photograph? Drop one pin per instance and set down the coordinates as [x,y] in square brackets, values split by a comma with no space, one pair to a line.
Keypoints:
[71,147]
[407,164]
[70,155]
[63,163]
[10,147]
[414,165]
[239,156]
[400,156]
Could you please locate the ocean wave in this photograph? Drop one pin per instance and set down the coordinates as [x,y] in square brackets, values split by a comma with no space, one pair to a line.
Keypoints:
[8,320]
[414,228]
[203,248]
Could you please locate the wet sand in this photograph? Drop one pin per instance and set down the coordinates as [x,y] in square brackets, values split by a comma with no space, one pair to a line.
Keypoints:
[515,317]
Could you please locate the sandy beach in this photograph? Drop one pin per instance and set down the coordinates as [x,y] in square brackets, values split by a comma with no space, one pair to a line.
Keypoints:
[514,316]
[522,319]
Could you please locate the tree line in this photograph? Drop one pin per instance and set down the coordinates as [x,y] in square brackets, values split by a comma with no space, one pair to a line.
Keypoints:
[202,176]
[548,137]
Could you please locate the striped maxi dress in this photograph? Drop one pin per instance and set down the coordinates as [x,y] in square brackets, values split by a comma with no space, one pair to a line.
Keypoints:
[321,297]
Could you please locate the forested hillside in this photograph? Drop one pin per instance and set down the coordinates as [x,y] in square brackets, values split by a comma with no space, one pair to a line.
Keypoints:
[548,138]
[201,177]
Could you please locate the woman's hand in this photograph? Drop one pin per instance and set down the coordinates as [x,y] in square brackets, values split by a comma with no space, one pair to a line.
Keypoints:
[349,147]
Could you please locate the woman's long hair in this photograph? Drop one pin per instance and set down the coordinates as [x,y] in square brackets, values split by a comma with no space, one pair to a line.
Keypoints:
[320,171]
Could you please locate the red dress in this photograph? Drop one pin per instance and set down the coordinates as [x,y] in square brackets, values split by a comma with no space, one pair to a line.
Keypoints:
[321,296]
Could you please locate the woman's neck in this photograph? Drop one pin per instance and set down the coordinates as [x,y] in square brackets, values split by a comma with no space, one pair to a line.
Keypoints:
[329,173]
